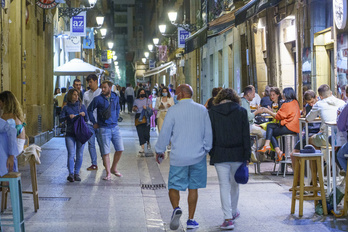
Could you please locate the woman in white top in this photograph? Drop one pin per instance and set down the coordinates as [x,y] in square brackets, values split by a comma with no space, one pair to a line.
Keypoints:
[13,114]
[163,103]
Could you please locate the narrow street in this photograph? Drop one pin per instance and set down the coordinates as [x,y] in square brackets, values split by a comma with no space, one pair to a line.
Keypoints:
[125,204]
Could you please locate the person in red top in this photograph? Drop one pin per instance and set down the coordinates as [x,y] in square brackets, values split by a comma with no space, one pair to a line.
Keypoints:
[288,115]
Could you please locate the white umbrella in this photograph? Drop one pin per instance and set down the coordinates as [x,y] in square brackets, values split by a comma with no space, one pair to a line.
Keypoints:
[77,67]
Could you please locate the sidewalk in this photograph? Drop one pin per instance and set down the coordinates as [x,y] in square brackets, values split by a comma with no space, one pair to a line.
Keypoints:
[123,205]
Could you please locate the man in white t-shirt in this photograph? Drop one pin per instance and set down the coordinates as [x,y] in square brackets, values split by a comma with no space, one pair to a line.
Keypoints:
[88,96]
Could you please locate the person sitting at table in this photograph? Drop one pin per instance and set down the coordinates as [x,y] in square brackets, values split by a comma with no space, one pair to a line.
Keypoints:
[288,115]
[313,128]
[342,125]
[327,110]
[8,148]
[276,98]
[248,96]
[266,100]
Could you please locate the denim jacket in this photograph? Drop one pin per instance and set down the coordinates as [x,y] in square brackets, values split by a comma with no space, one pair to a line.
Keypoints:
[147,113]
[75,109]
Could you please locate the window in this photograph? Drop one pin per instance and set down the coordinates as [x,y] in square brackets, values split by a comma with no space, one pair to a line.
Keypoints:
[120,18]
[120,7]
[121,30]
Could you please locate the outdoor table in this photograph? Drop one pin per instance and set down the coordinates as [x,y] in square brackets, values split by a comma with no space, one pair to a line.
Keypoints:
[303,121]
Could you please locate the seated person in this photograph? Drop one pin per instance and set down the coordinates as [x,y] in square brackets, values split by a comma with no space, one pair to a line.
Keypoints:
[342,125]
[8,148]
[313,128]
[327,110]
[266,100]
[288,115]
[248,96]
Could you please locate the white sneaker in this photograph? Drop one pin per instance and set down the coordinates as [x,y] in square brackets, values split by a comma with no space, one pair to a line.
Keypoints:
[148,146]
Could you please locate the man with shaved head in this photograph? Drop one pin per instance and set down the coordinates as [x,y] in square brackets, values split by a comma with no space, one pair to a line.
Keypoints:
[187,125]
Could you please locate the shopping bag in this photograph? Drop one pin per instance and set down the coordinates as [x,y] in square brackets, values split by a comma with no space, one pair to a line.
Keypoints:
[242,174]
[82,132]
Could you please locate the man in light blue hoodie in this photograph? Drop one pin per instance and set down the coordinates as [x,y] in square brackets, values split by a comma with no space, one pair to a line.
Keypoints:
[187,125]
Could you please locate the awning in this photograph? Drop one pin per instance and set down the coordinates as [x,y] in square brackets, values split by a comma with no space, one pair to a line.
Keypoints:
[159,69]
[196,40]
[77,67]
[253,7]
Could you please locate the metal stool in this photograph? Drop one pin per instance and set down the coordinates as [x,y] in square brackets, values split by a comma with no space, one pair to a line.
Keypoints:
[257,163]
[14,179]
[287,144]
[299,173]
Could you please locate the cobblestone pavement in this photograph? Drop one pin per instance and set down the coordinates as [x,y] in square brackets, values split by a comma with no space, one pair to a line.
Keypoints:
[127,204]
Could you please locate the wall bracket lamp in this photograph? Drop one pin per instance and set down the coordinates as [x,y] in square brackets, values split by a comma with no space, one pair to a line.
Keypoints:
[72,11]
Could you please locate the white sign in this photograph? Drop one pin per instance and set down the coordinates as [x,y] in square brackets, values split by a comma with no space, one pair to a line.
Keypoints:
[340,13]
[73,44]
[78,25]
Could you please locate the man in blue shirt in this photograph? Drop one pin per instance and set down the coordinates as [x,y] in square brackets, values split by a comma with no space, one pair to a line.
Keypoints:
[108,110]
[8,148]
[187,125]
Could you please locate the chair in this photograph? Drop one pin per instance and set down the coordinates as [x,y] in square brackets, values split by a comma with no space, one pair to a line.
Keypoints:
[287,144]
[345,199]
[299,174]
[14,180]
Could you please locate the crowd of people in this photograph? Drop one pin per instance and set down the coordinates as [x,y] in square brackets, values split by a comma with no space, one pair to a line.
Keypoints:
[220,128]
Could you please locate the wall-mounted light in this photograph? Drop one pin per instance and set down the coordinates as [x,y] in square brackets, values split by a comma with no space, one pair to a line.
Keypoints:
[162,28]
[150,47]
[103,32]
[155,41]
[71,11]
[172,18]
[114,57]
[143,60]
[147,54]
[100,20]
[110,45]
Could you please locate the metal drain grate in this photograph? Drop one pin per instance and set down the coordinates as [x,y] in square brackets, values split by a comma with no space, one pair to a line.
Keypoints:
[153,186]
[54,198]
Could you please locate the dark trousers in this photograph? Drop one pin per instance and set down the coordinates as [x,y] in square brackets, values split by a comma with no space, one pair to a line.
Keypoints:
[130,103]
[274,130]
[123,106]
[143,133]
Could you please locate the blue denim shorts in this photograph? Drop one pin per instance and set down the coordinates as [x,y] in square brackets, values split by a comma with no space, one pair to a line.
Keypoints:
[191,177]
[107,135]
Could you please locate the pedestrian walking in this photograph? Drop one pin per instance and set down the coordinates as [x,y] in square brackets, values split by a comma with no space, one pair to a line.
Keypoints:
[163,103]
[78,86]
[123,99]
[129,94]
[108,110]
[142,106]
[88,97]
[12,112]
[188,127]
[231,147]
[73,108]
[153,117]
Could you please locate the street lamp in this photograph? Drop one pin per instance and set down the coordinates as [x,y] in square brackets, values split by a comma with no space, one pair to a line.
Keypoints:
[110,45]
[162,28]
[100,21]
[103,32]
[147,54]
[150,47]
[114,57]
[155,41]
[143,60]
[71,11]
[172,18]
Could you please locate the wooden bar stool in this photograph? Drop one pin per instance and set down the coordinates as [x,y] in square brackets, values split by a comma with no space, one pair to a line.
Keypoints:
[34,191]
[299,174]
[345,204]
[14,180]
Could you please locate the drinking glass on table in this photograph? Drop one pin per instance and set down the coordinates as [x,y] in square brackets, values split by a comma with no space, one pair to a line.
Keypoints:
[275,106]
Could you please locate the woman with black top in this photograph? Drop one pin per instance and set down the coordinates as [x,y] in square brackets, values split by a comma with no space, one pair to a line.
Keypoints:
[209,102]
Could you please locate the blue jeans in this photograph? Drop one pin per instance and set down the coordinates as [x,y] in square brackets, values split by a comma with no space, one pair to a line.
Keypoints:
[71,142]
[105,136]
[91,145]
[340,156]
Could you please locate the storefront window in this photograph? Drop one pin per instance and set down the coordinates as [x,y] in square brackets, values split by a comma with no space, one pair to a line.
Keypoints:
[342,63]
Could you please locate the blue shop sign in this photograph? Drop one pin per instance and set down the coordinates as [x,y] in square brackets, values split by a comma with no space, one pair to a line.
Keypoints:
[104,57]
[3,2]
[183,35]
[78,25]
